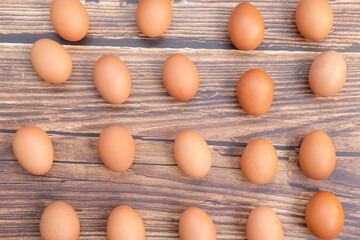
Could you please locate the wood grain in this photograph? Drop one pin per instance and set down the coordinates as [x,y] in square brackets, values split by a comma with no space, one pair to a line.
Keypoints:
[74,114]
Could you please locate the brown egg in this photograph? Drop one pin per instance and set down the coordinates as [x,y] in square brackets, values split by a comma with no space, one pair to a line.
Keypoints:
[196,224]
[263,223]
[246,27]
[317,156]
[259,161]
[153,17]
[112,79]
[180,77]
[324,215]
[192,154]
[69,19]
[314,19]
[255,92]
[51,61]
[124,223]
[59,221]
[116,148]
[327,74]
[33,149]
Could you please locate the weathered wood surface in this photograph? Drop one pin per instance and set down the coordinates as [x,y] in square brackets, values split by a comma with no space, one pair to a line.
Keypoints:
[73,114]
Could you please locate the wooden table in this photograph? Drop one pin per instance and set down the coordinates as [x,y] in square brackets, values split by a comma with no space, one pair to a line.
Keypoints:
[73,114]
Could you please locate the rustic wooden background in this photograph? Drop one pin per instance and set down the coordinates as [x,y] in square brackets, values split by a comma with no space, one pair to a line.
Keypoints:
[73,114]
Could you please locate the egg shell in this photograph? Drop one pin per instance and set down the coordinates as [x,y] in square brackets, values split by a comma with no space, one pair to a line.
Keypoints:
[59,221]
[153,17]
[327,74]
[246,26]
[125,223]
[192,154]
[314,19]
[116,148]
[51,61]
[33,149]
[259,161]
[69,19]
[196,224]
[112,79]
[324,215]
[255,92]
[263,223]
[180,77]
[317,156]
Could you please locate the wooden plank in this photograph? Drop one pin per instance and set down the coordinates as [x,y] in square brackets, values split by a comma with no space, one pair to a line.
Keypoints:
[195,24]
[74,114]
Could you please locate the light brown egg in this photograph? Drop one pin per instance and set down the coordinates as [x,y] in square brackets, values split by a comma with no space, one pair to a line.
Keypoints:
[124,223]
[255,92]
[112,79]
[51,61]
[317,156]
[69,19]
[180,77]
[246,27]
[116,148]
[153,17]
[59,221]
[192,154]
[327,74]
[33,149]
[324,215]
[264,224]
[196,224]
[314,19]
[259,161]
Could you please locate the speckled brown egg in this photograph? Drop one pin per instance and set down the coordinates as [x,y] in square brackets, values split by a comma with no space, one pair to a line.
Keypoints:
[153,17]
[327,74]
[192,154]
[116,148]
[314,19]
[33,149]
[51,61]
[196,224]
[125,223]
[59,221]
[180,77]
[255,92]
[246,26]
[112,79]
[259,161]
[69,19]
[264,224]
[317,156]
[324,215]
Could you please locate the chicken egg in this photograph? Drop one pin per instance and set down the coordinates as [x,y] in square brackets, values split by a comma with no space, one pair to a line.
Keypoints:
[33,149]
[327,74]
[196,224]
[259,161]
[324,215]
[192,154]
[51,61]
[180,77]
[112,79]
[116,148]
[314,19]
[246,26]
[59,221]
[317,156]
[125,223]
[69,19]
[255,92]
[153,17]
